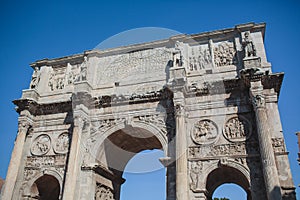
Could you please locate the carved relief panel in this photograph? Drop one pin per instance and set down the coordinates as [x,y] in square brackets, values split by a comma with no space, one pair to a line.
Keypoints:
[41,145]
[199,58]
[224,54]
[64,76]
[237,129]
[103,193]
[204,132]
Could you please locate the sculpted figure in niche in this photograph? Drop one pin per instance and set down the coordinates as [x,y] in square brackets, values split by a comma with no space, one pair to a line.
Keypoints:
[195,171]
[35,78]
[248,45]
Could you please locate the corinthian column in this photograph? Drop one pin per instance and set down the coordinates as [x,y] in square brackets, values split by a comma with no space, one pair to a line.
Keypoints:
[73,167]
[181,155]
[16,157]
[265,145]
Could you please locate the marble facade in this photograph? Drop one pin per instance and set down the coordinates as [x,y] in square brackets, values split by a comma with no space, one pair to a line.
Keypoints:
[208,100]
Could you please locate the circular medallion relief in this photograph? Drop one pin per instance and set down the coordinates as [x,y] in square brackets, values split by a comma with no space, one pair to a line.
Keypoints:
[237,129]
[204,132]
[62,143]
[41,145]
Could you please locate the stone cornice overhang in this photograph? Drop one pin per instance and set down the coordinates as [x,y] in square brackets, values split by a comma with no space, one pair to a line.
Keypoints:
[218,87]
[169,43]
[269,81]
[42,109]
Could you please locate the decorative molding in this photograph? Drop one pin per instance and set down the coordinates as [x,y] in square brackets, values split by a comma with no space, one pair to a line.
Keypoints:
[215,151]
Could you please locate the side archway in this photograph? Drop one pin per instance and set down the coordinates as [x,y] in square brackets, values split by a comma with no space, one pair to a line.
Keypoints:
[46,185]
[229,173]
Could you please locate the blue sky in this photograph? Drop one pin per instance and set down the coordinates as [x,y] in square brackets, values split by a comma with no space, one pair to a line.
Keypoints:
[33,30]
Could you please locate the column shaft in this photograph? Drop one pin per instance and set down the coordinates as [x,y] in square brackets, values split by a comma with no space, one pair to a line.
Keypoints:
[265,144]
[15,161]
[181,156]
[73,161]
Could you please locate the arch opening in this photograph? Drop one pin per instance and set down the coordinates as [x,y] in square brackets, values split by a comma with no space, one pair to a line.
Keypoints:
[229,191]
[145,177]
[224,175]
[129,153]
[45,188]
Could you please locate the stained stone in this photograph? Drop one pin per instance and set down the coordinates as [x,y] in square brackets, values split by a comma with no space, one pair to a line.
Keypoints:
[208,100]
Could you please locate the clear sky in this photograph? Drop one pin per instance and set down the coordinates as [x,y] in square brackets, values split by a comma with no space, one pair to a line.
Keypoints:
[33,30]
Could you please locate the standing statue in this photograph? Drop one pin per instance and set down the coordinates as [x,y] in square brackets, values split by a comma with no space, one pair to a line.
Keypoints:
[35,78]
[83,70]
[177,54]
[248,45]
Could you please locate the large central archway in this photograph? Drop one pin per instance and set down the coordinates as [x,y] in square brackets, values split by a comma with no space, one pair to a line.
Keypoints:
[121,145]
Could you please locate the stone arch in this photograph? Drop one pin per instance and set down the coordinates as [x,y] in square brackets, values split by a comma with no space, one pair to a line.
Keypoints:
[226,171]
[31,184]
[114,147]
[151,128]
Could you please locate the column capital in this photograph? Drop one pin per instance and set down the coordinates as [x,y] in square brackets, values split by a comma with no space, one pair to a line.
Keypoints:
[179,109]
[257,97]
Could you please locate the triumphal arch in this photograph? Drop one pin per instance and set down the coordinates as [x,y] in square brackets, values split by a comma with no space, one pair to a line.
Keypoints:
[208,100]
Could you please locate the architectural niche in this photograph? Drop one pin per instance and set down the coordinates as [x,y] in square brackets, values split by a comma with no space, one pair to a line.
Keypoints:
[208,100]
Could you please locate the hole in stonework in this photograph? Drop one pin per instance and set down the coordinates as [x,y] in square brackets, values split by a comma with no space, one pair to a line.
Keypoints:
[229,191]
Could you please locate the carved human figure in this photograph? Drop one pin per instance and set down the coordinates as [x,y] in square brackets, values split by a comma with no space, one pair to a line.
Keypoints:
[177,54]
[62,143]
[236,129]
[248,45]
[83,70]
[51,82]
[35,79]
[195,171]
[41,145]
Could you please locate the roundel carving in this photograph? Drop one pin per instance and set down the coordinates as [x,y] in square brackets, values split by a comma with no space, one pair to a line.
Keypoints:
[237,129]
[62,143]
[41,145]
[204,132]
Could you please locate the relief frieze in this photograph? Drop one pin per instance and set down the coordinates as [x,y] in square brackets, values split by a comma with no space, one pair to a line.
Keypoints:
[45,161]
[224,54]
[231,149]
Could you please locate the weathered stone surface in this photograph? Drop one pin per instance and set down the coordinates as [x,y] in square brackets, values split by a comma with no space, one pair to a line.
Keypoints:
[208,100]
